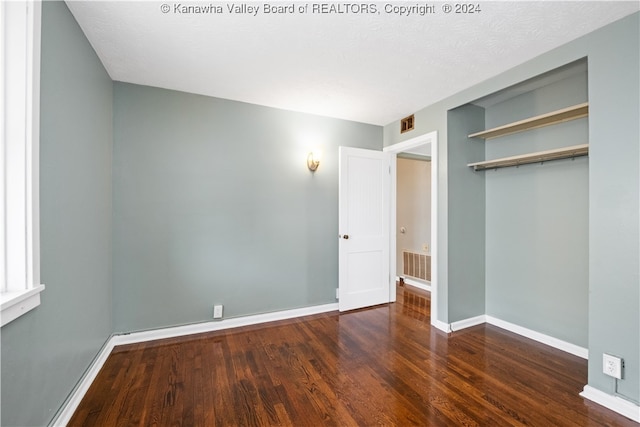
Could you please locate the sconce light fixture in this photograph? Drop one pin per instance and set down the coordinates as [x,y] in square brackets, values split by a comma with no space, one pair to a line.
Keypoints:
[313,161]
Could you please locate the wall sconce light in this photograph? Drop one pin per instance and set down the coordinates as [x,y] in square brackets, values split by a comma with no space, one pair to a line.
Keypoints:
[313,161]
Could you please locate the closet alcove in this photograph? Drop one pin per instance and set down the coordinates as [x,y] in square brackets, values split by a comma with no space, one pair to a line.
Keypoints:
[525,218]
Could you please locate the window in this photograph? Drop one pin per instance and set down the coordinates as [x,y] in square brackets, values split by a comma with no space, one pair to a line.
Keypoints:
[19,126]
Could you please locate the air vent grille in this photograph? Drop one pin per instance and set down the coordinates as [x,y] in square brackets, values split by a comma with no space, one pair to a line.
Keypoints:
[407,124]
[417,265]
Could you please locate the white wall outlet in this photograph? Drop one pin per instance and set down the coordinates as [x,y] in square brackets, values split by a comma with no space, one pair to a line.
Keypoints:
[217,311]
[612,366]
[425,247]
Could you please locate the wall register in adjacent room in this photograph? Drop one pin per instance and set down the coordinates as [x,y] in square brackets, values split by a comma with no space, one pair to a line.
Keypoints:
[416,265]
[407,123]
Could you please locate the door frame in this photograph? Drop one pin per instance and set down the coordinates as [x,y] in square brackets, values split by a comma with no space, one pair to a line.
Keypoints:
[428,138]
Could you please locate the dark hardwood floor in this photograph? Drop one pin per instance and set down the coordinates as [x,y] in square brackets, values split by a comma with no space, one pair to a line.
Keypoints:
[380,366]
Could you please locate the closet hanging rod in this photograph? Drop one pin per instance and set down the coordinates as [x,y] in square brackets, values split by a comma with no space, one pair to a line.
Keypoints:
[537,157]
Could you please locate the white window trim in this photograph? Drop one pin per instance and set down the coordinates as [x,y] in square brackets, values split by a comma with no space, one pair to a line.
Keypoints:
[19,158]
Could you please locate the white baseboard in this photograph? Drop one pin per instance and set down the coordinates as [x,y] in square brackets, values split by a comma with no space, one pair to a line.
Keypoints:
[417,284]
[236,322]
[444,327]
[537,336]
[467,323]
[615,403]
[516,329]
[66,412]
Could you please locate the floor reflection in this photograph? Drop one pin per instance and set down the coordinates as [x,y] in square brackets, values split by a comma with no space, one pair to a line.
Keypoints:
[416,303]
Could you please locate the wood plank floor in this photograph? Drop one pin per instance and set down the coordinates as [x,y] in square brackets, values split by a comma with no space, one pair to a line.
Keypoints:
[383,366]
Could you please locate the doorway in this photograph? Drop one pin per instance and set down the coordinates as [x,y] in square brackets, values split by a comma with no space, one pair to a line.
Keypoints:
[421,143]
[413,218]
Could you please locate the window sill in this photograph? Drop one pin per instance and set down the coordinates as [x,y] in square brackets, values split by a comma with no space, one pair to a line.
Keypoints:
[15,304]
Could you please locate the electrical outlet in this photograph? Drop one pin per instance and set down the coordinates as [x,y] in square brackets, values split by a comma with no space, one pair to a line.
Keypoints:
[217,311]
[425,247]
[612,366]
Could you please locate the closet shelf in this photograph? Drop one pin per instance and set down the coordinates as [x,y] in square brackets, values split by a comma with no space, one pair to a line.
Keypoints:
[559,116]
[540,156]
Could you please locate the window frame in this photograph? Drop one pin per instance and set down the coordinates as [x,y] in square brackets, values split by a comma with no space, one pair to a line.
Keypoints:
[20,285]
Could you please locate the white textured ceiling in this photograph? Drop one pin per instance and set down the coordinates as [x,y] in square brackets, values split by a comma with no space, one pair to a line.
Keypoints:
[372,68]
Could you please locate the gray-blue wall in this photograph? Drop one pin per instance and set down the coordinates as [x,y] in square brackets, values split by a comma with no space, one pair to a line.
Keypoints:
[613,199]
[46,351]
[466,215]
[213,203]
[614,204]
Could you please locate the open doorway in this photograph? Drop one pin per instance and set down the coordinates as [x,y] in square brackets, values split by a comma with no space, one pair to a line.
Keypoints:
[413,218]
[427,143]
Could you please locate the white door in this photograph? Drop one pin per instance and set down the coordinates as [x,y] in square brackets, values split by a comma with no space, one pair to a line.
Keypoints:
[364,206]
